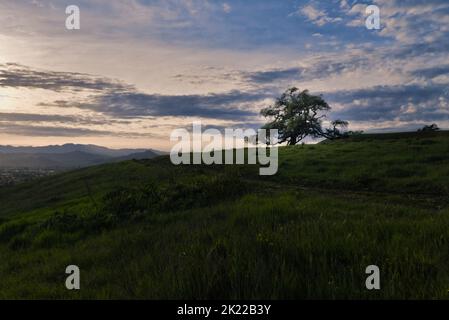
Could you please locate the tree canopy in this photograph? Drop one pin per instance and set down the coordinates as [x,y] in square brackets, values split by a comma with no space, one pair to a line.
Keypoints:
[430,128]
[298,114]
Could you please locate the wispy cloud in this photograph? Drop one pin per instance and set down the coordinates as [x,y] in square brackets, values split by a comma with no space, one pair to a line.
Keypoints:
[126,105]
[394,103]
[317,16]
[13,75]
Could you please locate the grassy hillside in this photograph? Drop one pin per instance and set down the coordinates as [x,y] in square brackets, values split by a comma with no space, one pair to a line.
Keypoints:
[148,229]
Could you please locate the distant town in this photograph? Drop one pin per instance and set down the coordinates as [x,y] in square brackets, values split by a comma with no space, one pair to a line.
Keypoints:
[13,176]
[21,164]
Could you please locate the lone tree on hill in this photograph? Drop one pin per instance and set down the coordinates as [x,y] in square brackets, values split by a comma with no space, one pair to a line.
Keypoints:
[431,128]
[298,114]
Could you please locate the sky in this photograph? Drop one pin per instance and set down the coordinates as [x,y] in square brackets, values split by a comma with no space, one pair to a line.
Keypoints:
[138,69]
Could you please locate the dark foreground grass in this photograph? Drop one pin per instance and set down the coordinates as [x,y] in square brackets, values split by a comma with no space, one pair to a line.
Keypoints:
[289,246]
[146,229]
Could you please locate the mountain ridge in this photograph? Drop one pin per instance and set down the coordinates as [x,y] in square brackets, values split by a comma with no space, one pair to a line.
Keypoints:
[67,156]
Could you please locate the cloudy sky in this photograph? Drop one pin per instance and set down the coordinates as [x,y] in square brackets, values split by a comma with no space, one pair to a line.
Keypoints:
[137,69]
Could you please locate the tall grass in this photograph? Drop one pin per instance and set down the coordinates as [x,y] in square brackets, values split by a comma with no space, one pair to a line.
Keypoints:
[147,229]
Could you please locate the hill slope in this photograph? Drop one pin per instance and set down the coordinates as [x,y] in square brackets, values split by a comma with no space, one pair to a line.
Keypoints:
[161,231]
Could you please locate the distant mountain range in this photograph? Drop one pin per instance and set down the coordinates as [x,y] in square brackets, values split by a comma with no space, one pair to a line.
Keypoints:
[67,156]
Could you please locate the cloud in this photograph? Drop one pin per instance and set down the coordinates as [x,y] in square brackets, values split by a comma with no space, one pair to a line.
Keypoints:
[273,75]
[52,131]
[316,16]
[55,118]
[398,103]
[14,75]
[408,22]
[231,105]
[28,117]
[227,7]
[257,51]
[319,68]
[116,99]
[431,72]
[55,130]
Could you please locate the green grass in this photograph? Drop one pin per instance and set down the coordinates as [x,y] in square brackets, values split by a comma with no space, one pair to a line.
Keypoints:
[147,229]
